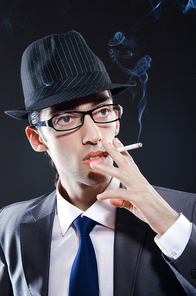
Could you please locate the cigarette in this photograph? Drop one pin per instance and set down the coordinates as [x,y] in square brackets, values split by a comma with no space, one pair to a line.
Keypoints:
[130,147]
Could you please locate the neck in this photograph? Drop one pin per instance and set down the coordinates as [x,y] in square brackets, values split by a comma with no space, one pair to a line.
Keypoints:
[80,195]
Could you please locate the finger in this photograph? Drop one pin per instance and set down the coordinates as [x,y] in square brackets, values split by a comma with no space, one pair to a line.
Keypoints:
[120,203]
[111,147]
[123,160]
[118,144]
[128,176]
[125,178]
[115,194]
[116,198]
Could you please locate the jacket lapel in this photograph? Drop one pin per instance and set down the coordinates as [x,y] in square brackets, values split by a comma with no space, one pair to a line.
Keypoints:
[35,245]
[36,242]
[129,238]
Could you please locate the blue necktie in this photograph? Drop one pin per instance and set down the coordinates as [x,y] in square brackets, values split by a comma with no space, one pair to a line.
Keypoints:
[84,276]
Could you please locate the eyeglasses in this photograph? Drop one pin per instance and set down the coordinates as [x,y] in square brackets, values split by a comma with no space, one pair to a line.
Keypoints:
[70,120]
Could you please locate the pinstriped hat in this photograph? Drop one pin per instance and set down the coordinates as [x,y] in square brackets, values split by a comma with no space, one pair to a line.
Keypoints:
[59,68]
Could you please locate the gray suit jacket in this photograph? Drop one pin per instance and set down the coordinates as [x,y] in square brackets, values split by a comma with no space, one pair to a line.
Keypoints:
[139,267]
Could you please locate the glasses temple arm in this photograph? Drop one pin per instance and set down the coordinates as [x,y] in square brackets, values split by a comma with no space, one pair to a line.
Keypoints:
[42,123]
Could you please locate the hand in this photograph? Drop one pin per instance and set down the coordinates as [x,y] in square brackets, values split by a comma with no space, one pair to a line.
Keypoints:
[140,197]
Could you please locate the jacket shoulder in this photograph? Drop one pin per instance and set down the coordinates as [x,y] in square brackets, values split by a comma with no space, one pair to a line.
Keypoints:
[182,202]
[16,213]
[24,204]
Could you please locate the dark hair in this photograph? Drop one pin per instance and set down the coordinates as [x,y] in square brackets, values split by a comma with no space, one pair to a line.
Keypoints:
[33,118]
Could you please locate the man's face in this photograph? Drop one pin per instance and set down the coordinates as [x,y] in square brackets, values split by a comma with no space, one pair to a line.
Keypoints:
[73,151]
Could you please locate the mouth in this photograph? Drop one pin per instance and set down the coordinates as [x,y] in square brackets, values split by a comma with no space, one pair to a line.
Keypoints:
[98,156]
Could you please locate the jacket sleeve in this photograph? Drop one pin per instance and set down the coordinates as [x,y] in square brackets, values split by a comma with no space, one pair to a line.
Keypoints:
[5,284]
[184,267]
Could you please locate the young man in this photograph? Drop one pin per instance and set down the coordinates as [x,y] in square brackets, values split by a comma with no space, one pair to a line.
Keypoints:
[68,100]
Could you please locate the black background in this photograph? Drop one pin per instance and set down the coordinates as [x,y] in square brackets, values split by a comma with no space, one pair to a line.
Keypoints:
[168,133]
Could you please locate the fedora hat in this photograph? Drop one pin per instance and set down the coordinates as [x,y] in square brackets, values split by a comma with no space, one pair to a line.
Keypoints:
[60,68]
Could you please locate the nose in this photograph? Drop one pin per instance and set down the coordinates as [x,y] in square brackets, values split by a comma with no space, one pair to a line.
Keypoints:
[90,130]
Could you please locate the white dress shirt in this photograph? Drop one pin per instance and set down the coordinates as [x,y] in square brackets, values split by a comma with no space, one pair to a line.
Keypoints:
[65,242]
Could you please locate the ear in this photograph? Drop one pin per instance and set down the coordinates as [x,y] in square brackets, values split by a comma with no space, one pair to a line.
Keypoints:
[117,129]
[35,139]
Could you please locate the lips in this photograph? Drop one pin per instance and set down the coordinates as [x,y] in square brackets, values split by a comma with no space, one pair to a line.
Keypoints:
[98,156]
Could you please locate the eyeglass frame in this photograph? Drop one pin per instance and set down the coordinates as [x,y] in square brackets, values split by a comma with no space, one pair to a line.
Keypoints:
[84,113]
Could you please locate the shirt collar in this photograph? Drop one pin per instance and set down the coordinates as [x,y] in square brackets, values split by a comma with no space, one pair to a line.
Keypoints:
[101,211]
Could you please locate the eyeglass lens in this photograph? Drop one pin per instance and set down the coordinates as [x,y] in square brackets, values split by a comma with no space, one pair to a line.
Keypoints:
[70,120]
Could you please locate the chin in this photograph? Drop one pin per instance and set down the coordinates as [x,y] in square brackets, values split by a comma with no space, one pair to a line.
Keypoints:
[96,179]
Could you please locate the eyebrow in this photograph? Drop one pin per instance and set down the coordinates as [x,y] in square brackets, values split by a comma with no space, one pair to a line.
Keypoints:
[60,107]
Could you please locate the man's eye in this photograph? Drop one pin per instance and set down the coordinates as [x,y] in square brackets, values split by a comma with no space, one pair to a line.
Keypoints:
[63,120]
[103,112]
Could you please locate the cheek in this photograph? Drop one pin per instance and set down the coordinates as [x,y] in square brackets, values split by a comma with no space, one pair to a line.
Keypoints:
[62,152]
[59,151]
[61,148]
[110,132]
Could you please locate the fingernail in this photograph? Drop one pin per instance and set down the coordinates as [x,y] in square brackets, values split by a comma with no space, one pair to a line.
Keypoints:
[93,163]
[98,196]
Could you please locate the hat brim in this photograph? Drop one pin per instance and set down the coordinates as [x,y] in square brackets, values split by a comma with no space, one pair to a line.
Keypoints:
[68,95]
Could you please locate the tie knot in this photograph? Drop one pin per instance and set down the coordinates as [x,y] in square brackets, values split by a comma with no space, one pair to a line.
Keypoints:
[84,225]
